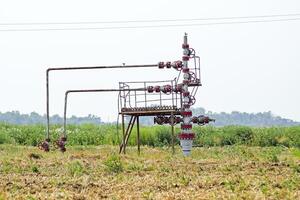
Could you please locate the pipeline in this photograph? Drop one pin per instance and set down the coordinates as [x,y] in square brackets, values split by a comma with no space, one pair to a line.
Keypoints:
[191,78]
[61,142]
[80,68]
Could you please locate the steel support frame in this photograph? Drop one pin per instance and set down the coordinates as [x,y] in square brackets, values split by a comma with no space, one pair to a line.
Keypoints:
[127,132]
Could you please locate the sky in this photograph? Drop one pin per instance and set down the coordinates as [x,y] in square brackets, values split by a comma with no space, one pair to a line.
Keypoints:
[252,67]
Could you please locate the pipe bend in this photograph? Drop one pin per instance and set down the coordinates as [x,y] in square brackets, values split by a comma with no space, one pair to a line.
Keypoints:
[48,70]
[67,92]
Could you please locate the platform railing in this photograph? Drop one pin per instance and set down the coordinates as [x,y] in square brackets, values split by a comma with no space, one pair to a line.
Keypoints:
[144,99]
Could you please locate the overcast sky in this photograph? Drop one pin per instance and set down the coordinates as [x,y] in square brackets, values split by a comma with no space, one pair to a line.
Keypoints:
[245,67]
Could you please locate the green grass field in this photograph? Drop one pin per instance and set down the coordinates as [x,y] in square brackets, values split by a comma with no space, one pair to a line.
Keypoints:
[231,162]
[98,172]
[155,136]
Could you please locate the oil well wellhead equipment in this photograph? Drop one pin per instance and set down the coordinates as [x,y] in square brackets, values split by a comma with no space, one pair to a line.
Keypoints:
[168,101]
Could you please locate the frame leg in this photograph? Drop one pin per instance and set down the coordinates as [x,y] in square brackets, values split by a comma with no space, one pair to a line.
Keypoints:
[138,134]
[128,132]
[123,132]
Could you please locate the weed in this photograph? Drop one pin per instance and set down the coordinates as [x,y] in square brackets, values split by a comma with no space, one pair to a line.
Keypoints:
[75,168]
[34,156]
[134,167]
[2,196]
[113,164]
[274,158]
[185,180]
[35,169]
[296,152]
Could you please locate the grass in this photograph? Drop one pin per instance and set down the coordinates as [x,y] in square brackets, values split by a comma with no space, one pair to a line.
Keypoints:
[113,164]
[232,162]
[95,172]
[155,136]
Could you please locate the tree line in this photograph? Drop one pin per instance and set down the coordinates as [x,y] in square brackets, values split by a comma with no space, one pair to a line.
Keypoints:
[222,119]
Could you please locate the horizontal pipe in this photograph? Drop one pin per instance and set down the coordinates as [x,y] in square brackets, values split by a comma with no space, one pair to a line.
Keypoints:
[100,67]
[105,90]
[90,90]
[164,81]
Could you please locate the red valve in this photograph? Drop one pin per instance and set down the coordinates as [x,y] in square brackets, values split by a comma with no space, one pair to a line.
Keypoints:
[177,65]
[201,120]
[178,88]
[158,120]
[167,120]
[150,89]
[186,106]
[186,126]
[186,136]
[186,113]
[185,58]
[185,46]
[45,145]
[157,88]
[61,144]
[186,81]
[185,70]
[186,94]
[167,89]
[161,65]
[168,65]
[194,120]
[177,120]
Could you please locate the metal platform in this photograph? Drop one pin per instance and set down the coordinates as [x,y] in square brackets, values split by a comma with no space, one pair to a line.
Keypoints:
[151,111]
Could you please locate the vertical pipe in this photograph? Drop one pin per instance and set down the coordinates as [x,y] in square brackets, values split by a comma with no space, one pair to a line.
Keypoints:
[172,131]
[172,94]
[199,68]
[186,136]
[135,99]
[138,134]
[47,106]
[65,114]
[123,130]
[160,99]
[145,94]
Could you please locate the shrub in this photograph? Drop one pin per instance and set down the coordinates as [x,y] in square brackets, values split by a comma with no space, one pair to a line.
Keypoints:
[113,164]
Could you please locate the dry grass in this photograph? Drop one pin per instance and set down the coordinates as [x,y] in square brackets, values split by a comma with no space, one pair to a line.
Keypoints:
[236,172]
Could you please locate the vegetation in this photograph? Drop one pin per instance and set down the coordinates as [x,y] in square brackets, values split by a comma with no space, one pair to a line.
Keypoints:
[234,162]
[222,119]
[155,136]
[15,117]
[114,164]
[261,119]
[230,172]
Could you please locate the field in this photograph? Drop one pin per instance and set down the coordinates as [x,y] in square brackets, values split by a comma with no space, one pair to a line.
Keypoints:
[228,163]
[155,136]
[231,172]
